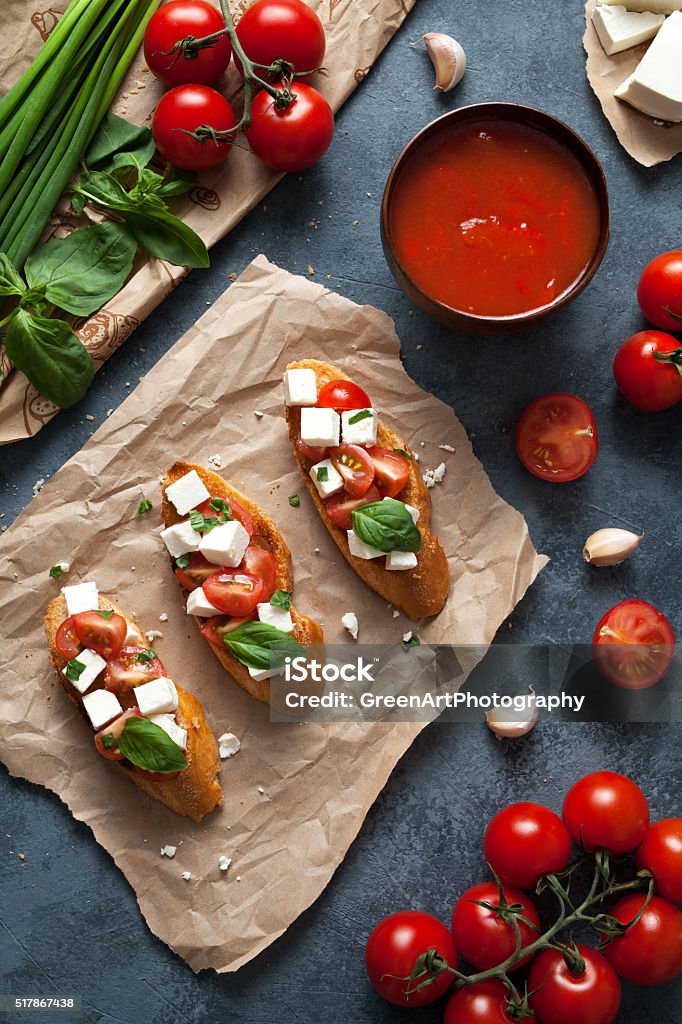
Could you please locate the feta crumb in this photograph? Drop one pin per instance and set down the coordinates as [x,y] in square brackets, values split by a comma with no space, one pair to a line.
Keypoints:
[317,551]
[64,566]
[168,851]
[396,614]
[224,862]
[239,877]
[38,485]
[407,637]
[261,790]
[258,414]
[216,460]
[187,875]
[446,447]
[434,476]
[228,745]
[163,617]
[350,622]
[153,634]
[109,412]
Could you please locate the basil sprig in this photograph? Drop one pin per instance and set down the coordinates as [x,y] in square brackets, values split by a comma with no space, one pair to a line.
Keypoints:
[146,656]
[56,572]
[74,670]
[144,506]
[281,599]
[147,746]
[105,613]
[260,646]
[183,561]
[387,526]
[323,474]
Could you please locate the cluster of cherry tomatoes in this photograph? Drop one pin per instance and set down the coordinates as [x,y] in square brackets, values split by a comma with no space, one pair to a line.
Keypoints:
[523,844]
[289,130]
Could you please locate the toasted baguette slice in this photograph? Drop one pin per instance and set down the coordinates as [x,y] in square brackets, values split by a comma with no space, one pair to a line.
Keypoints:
[196,790]
[417,592]
[266,535]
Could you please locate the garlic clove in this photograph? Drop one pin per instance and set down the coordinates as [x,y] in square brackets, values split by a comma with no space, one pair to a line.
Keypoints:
[448,59]
[501,721]
[611,546]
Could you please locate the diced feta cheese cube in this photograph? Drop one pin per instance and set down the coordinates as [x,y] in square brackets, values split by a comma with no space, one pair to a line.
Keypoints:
[396,560]
[300,387]
[414,512]
[360,549]
[171,728]
[133,634]
[156,697]
[199,604]
[264,673]
[363,430]
[168,851]
[225,544]
[280,618]
[655,86]
[94,664]
[656,6]
[101,706]
[187,493]
[180,538]
[81,597]
[320,428]
[333,482]
[350,622]
[228,745]
[619,29]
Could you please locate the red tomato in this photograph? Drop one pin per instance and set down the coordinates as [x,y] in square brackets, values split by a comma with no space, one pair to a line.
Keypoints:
[237,510]
[315,454]
[155,776]
[356,468]
[482,936]
[561,997]
[114,729]
[184,109]
[216,628]
[659,291]
[174,22]
[556,437]
[343,394]
[127,671]
[606,810]
[197,572]
[262,564]
[293,137]
[525,841]
[390,470]
[66,640]
[483,1003]
[103,636]
[393,949]
[646,382]
[234,592]
[282,29]
[633,645]
[340,507]
[661,854]
[650,952]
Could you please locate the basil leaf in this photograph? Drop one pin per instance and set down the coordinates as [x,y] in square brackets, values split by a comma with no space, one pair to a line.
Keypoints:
[116,135]
[148,747]
[183,561]
[323,474]
[138,157]
[104,190]
[220,506]
[258,645]
[74,670]
[387,526]
[196,520]
[294,500]
[413,641]
[166,237]
[144,506]
[144,657]
[106,613]
[81,272]
[56,572]
[364,414]
[10,279]
[405,455]
[281,599]
[55,361]
[175,187]
[108,741]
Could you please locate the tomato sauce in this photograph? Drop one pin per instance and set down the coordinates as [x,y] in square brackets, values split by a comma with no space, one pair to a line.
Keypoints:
[494,218]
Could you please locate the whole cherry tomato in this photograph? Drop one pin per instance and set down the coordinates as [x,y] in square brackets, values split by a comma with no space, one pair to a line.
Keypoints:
[291,136]
[659,291]
[633,645]
[171,24]
[607,811]
[393,949]
[556,437]
[647,382]
[486,1002]
[525,841]
[282,29]
[184,109]
[661,854]
[563,997]
[650,951]
[486,937]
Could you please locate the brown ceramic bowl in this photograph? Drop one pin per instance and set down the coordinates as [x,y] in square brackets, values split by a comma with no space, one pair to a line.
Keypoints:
[479,113]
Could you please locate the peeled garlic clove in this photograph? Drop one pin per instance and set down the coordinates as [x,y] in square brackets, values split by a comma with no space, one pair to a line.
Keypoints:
[611,546]
[506,727]
[447,57]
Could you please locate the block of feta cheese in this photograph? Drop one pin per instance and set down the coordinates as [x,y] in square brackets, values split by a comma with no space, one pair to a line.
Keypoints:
[199,604]
[264,673]
[619,29]
[359,426]
[81,597]
[414,512]
[398,560]
[187,493]
[171,728]
[280,618]
[326,478]
[228,745]
[133,634]
[102,707]
[648,6]
[157,697]
[349,621]
[92,663]
[180,538]
[225,544]
[320,428]
[655,86]
[300,387]
[360,549]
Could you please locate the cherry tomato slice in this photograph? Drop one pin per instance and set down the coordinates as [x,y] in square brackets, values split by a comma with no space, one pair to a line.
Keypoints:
[155,776]
[103,636]
[340,507]
[234,592]
[114,730]
[66,640]
[127,671]
[197,572]
[310,451]
[238,512]
[261,563]
[356,468]
[216,628]
[556,437]
[633,645]
[343,394]
[390,470]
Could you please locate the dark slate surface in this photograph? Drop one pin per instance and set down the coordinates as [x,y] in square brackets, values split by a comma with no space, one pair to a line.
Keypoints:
[68,920]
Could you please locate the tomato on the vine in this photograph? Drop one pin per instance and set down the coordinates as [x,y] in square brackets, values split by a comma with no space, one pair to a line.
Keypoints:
[524,841]
[184,109]
[556,437]
[633,645]
[661,854]
[647,382]
[659,291]
[486,937]
[561,997]
[650,951]
[342,395]
[605,810]
[289,30]
[393,949]
[486,1002]
[291,136]
[101,631]
[171,24]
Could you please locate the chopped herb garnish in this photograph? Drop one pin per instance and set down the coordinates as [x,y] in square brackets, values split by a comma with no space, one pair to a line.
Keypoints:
[105,613]
[405,455]
[220,506]
[108,741]
[411,641]
[281,599]
[56,572]
[323,474]
[144,506]
[145,656]
[196,520]
[294,500]
[183,561]
[74,670]
[364,414]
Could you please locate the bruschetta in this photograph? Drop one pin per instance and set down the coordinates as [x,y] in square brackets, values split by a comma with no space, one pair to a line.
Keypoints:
[154,730]
[235,572]
[366,486]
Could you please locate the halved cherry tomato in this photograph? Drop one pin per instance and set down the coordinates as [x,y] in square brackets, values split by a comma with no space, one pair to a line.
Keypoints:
[340,507]
[114,729]
[238,512]
[155,776]
[216,628]
[261,563]
[633,645]
[66,640]
[390,470]
[343,394]
[103,636]
[556,437]
[355,466]
[197,572]
[310,451]
[234,591]
[126,671]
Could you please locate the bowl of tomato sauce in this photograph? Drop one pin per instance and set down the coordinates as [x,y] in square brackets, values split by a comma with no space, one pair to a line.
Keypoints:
[494,216]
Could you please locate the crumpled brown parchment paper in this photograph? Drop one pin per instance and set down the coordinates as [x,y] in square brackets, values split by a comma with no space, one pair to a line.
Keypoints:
[319,780]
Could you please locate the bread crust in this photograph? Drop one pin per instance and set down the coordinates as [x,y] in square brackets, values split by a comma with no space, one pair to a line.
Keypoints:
[306,630]
[196,790]
[417,592]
